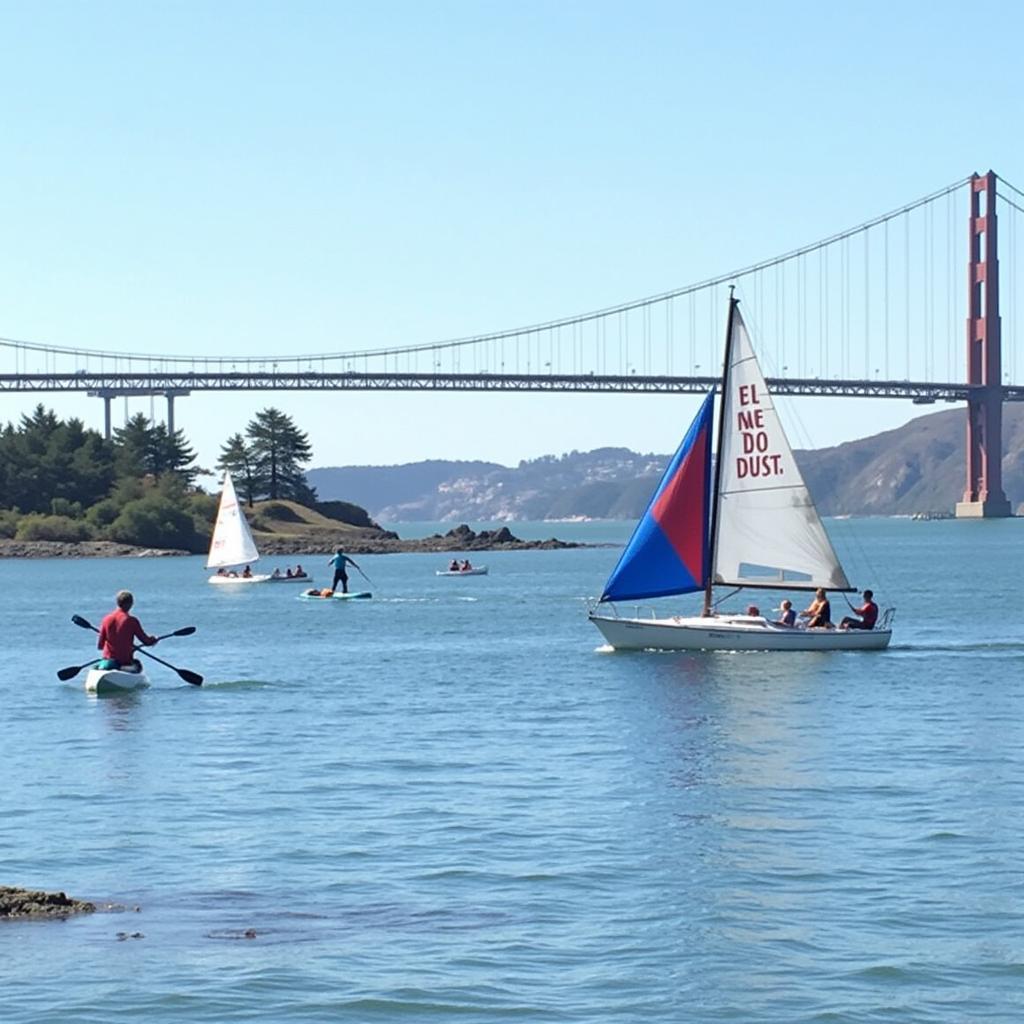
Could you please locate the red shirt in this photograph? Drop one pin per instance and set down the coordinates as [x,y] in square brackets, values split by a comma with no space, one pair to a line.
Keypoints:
[118,631]
[868,611]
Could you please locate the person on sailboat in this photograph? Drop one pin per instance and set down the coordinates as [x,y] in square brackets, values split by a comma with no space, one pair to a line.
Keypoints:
[338,562]
[118,633]
[247,574]
[819,612]
[868,613]
[788,617]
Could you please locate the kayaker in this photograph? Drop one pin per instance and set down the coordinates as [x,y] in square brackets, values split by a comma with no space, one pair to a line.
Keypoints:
[338,562]
[118,633]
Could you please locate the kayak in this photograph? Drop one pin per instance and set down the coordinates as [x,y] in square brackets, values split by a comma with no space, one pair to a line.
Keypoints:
[360,596]
[477,570]
[114,680]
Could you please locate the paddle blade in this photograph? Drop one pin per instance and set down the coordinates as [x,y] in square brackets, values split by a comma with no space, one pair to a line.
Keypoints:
[69,673]
[190,677]
[184,631]
[84,623]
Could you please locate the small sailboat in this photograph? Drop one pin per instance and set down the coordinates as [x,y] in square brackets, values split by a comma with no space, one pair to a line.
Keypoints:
[232,545]
[754,525]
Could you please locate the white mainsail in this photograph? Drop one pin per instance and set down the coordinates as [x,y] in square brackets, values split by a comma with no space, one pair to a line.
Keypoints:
[232,542]
[769,531]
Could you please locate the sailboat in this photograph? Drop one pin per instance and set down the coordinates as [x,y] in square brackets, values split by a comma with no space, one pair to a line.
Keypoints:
[232,545]
[753,525]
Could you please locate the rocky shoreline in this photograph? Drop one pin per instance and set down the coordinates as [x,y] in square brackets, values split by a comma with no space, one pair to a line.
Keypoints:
[461,539]
[80,549]
[21,903]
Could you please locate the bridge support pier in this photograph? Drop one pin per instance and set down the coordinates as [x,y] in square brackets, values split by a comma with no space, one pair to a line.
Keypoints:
[983,495]
[106,417]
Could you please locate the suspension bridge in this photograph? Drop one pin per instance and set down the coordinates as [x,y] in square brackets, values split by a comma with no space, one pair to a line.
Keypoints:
[878,310]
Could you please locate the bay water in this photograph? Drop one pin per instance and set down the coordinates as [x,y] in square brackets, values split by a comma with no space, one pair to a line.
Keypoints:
[447,803]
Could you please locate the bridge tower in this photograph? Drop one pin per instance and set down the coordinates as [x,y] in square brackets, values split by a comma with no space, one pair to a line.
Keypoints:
[983,495]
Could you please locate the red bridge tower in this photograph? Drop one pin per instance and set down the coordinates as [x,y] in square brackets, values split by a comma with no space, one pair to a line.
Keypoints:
[983,496]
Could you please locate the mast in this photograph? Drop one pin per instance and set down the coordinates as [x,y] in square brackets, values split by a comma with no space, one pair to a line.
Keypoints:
[713,538]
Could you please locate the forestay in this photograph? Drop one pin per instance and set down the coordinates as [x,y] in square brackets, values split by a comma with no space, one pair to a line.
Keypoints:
[769,531]
[232,542]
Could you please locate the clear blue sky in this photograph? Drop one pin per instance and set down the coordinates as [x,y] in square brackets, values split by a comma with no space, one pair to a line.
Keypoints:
[260,178]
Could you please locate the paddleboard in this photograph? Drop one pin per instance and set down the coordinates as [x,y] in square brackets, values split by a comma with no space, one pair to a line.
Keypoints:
[360,596]
[114,680]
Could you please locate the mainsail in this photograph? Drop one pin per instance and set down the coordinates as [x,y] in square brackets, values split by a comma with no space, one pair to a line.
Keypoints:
[668,552]
[232,542]
[769,532]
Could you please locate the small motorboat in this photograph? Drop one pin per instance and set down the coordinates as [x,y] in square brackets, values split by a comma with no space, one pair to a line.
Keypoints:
[114,680]
[307,579]
[477,570]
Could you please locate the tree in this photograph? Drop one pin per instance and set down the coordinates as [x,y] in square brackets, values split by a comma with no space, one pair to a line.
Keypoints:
[278,449]
[143,448]
[236,459]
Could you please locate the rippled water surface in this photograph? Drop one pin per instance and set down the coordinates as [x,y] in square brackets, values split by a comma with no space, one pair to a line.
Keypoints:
[446,804]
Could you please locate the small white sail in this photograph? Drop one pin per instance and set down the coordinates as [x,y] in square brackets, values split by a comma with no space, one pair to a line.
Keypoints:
[232,542]
[768,528]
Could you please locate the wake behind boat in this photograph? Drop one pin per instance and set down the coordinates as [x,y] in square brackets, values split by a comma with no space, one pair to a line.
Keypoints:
[231,544]
[755,526]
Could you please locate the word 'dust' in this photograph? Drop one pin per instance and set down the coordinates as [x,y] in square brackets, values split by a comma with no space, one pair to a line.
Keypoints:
[756,460]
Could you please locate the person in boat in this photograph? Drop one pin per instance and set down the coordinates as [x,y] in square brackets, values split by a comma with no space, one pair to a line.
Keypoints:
[788,616]
[247,573]
[222,571]
[465,567]
[819,613]
[288,573]
[339,561]
[299,571]
[118,632]
[276,574]
[868,613]
[454,567]
[753,610]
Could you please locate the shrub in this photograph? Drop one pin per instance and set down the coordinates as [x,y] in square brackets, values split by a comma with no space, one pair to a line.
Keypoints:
[8,522]
[40,527]
[103,513]
[155,522]
[63,507]
[345,512]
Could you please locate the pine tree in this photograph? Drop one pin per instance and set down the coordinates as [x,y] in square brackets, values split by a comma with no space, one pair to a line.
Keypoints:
[278,449]
[236,459]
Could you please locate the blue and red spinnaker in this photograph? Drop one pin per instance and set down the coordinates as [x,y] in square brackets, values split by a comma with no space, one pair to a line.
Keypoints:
[668,552]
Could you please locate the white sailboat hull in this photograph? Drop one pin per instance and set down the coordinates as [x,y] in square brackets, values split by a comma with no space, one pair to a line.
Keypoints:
[731,633]
[233,580]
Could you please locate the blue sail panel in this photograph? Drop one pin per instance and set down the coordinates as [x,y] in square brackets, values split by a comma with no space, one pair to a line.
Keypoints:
[668,552]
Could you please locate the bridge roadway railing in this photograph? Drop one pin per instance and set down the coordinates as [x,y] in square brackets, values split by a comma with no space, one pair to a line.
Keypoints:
[117,384]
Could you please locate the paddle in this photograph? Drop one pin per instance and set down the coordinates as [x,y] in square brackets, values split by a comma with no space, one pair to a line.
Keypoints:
[361,573]
[72,670]
[190,677]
